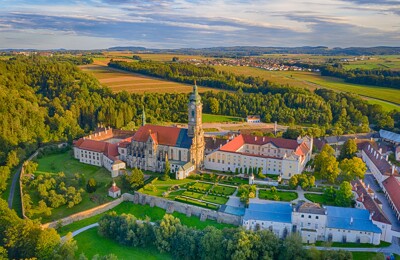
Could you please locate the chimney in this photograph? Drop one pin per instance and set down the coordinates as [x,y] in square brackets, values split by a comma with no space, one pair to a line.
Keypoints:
[362,197]
[371,215]
[380,150]
[351,221]
[387,158]
[393,168]
[255,138]
[263,138]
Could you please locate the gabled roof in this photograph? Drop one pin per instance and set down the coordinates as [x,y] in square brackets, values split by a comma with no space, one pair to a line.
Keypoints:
[91,145]
[212,143]
[309,207]
[242,139]
[350,218]
[164,135]
[392,187]
[384,167]
[369,203]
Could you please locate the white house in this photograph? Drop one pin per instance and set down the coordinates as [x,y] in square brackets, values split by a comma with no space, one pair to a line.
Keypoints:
[114,191]
[253,119]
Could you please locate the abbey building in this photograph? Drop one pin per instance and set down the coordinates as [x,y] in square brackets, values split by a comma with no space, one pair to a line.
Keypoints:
[153,145]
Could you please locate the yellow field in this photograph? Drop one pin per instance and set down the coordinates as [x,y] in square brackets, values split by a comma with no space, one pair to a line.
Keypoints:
[119,80]
[151,56]
[387,97]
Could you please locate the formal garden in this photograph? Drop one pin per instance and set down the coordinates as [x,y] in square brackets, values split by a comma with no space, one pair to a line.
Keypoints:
[274,194]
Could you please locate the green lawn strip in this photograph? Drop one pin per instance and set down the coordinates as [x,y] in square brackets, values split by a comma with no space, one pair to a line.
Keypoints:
[318,198]
[91,243]
[209,118]
[202,186]
[196,203]
[215,199]
[17,202]
[158,191]
[367,255]
[192,194]
[352,245]
[282,195]
[141,212]
[221,189]
[6,193]
[171,182]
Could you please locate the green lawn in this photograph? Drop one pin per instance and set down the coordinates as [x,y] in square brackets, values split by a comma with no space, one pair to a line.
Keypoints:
[367,255]
[282,195]
[352,245]
[192,194]
[141,212]
[201,186]
[91,243]
[196,203]
[313,80]
[64,162]
[221,189]
[215,199]
[209,118]
[318,198]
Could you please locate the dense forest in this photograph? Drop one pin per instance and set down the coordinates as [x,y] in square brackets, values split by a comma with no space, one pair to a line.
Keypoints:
[45,100]
[374,77]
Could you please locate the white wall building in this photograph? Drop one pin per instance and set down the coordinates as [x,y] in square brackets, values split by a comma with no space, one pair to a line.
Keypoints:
[278,156]
[313,222]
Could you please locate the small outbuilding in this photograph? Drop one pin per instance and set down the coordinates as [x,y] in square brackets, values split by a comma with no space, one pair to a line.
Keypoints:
[114,191]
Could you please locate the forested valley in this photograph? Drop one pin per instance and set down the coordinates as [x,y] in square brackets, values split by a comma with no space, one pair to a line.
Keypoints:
[45,100]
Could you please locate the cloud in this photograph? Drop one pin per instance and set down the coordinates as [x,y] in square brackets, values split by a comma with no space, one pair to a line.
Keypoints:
[195,23]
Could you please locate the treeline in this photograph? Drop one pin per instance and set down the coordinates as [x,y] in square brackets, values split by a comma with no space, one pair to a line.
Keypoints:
[25,239]
[182,242]
[374,77]
[204,76]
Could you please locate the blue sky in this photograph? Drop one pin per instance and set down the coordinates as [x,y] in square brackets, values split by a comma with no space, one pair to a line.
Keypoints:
[94,24]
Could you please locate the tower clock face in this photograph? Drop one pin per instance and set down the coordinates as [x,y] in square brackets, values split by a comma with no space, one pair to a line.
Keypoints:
[192,106]
[192,119]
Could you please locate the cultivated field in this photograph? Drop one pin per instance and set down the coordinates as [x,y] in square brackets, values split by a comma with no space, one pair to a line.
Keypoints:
[118,80]
[311,80]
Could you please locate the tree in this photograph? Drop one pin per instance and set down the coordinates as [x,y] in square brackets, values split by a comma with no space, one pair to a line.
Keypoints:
[293,182]
[349,150]
[175,59]
[136,57]
[167,170]
[91,185]
[133,181]
[30,167]
[292,248]
[352,168]
[239,247]
[167,229]
[293,132]
[325,163]
[344,195]
[210,244]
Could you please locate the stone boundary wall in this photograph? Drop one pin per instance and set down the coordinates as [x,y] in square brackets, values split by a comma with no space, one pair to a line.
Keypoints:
[143,199]
[189,210]
[85,214]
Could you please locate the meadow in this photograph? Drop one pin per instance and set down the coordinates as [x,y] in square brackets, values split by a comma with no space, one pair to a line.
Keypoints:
[118,80]
[64,162]
[387,97]
[208,118]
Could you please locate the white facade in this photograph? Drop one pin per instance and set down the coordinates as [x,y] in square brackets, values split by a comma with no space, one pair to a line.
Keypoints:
[314,223]
[88,157]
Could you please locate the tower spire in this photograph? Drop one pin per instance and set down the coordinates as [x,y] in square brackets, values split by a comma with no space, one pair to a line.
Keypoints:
[195,94]
[143,116]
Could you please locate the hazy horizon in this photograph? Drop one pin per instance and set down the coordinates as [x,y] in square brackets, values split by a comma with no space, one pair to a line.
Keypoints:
[101,24]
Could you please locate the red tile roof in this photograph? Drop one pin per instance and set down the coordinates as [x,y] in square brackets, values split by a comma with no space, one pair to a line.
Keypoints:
[369,203]
[392,187]
[242,139]
[91,145]
[384,167]
[114,189]
[164,135]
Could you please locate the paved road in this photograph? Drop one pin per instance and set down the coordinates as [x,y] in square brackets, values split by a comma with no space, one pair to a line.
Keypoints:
[369,179]
[76,232]
[13,185]
[14,182]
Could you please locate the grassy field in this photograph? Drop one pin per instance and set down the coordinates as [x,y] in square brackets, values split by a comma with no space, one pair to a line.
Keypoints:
[141,212]
[312,80]
[221,189]
[282,195]
[215,199]
[91,243]
[367,255]
[201,186]
[151,56]
[194,195]
[118,80]
[391,62]
[352,245]
[208,118]
[318,198]
[64,162]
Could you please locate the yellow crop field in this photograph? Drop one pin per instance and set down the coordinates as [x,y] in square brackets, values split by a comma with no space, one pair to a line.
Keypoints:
[119,80]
